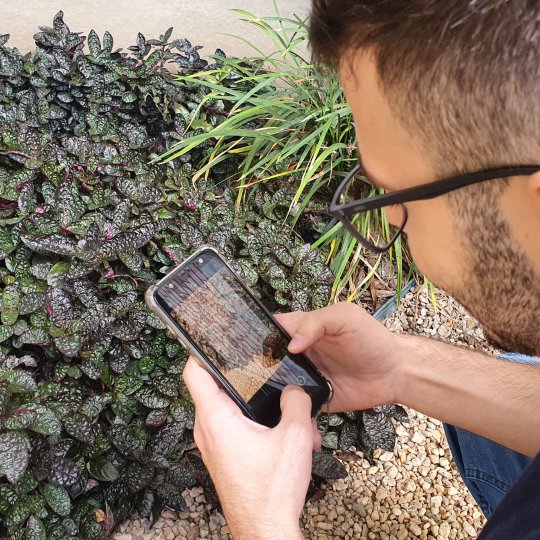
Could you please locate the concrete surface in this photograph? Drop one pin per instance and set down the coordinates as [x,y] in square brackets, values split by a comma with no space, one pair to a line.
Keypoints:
[203,22]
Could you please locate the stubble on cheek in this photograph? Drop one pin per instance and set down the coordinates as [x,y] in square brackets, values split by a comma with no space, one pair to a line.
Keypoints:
[499,286]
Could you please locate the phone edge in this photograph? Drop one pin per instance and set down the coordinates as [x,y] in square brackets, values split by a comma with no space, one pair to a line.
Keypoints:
[158,311]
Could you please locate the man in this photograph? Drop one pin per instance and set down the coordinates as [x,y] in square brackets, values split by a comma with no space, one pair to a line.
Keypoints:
[438,90]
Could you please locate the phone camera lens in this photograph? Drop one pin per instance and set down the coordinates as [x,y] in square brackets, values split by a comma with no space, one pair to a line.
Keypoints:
[201,261]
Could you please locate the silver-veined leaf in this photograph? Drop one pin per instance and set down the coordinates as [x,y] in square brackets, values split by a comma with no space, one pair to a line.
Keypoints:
[14,454]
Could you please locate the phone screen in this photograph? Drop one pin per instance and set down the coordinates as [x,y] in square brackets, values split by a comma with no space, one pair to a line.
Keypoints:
[211,307]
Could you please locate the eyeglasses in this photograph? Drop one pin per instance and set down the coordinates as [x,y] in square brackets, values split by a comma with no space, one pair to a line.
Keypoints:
[351,211]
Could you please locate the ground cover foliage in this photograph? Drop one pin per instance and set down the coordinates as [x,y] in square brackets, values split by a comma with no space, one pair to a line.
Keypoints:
[95,422]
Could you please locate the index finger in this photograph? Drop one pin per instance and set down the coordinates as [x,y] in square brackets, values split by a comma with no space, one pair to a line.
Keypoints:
[290,321]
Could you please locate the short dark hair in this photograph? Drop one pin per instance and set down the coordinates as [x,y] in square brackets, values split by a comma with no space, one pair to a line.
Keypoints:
[463,76]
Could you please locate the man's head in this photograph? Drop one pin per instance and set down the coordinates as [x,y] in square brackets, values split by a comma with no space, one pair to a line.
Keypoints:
[440,88]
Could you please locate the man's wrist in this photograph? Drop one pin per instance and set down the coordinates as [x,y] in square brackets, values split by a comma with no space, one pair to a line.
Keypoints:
[249,527]
[279,531]
[402,353]
[411,364]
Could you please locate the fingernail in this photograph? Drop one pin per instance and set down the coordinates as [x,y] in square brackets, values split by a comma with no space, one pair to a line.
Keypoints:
[296,342]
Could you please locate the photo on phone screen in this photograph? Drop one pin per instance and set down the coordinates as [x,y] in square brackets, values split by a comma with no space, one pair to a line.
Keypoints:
[210,305]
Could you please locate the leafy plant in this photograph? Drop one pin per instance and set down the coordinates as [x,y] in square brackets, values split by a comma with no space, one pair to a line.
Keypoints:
[95,422]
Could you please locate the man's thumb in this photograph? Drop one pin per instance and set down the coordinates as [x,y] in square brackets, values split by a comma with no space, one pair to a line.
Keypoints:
[297,343]
[295,406]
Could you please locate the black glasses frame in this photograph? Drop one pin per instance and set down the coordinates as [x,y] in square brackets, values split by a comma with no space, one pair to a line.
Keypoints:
[343,212]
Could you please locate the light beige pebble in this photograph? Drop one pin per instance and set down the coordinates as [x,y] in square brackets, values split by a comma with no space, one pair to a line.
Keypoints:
[387,456]
[180,529]
[410,485]
[168,514]
[402,534]
[381,494]
[444,529]
[469,529]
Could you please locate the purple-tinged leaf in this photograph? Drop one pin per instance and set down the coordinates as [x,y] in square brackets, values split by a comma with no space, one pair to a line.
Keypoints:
[54,243]
[136,238]
[21,381]
[20,418]
[64,472]
[108,42]
[79,269]
[151,398]
[69,205]
[69,345]
[31,302]
[132,258]
[328,467]
[5,396]
[124,330]
[80,427]
[45,422]
[14,454]
[87,292]
[122,303]
[94,44]
[34,336]
[94,320]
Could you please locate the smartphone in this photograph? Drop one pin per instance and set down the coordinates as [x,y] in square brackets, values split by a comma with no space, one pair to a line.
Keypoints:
[233,336]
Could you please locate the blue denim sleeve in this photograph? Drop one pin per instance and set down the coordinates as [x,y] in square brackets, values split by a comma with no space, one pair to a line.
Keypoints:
[488,469]
[519,358]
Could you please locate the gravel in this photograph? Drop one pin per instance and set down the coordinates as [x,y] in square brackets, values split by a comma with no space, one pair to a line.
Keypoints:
[414,492]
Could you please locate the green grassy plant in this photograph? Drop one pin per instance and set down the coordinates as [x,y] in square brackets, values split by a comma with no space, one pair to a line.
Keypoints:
[284,120]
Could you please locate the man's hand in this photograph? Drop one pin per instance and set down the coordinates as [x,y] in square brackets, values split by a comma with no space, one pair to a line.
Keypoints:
[369,365]
[352,349]
[261,474]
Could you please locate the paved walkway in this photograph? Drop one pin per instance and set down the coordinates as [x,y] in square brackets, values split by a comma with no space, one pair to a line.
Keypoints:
[203,22]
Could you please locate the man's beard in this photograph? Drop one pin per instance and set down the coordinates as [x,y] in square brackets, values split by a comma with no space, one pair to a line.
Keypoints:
[523,339]
[502,289]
